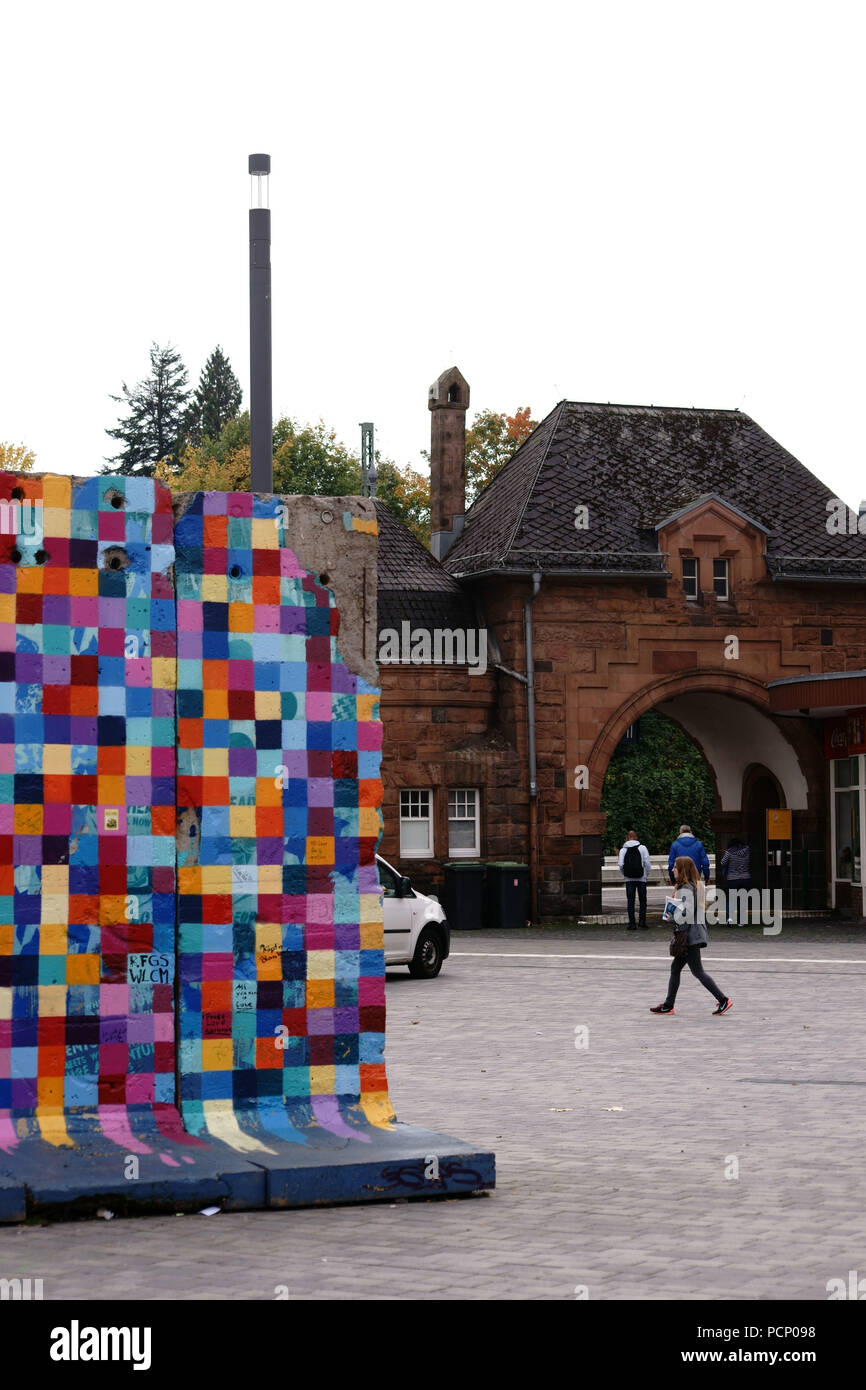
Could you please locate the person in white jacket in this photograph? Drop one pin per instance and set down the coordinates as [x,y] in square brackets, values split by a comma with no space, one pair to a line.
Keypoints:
[635,866]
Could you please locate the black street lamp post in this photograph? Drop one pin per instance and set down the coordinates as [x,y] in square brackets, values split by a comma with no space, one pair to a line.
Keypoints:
[261,417]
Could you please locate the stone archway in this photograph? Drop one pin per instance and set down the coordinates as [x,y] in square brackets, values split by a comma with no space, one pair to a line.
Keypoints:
[757,761]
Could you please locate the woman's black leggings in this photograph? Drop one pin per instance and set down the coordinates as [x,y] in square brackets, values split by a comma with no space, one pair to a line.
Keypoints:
[692,959]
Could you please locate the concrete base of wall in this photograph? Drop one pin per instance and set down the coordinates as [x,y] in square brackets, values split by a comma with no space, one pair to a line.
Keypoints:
[39,1178]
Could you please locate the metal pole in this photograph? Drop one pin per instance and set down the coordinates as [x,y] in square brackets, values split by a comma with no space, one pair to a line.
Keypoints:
[368,460]
[261,407]
[534,886]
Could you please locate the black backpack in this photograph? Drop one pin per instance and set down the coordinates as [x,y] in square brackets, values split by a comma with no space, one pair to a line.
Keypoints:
[632,865]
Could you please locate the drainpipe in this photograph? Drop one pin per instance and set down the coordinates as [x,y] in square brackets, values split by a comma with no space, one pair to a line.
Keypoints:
[534,890]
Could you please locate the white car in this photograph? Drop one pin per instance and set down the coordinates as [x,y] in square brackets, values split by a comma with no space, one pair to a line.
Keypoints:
[417,933]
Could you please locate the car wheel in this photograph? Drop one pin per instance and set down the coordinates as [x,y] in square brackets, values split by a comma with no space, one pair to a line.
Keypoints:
[427,960]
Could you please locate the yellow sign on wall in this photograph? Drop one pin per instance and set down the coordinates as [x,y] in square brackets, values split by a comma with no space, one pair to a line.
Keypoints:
[778,825]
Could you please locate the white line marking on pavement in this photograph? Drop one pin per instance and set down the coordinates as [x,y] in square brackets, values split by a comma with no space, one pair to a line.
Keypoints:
[575,955]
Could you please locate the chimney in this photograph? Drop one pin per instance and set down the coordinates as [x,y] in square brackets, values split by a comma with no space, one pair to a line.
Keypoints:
[448,400]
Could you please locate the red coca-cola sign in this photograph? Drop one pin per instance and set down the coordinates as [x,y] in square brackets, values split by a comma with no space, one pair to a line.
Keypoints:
[845,735]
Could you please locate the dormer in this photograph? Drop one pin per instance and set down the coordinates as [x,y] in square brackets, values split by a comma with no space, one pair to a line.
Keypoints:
[713,548]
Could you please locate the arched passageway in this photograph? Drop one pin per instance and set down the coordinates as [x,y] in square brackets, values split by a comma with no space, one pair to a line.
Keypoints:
[758,762]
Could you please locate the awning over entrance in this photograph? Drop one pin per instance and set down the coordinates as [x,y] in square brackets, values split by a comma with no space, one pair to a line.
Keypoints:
[818,696]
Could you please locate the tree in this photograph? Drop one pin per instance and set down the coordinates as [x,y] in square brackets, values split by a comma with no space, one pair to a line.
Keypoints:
[156,408]
[491,440]
[310,459]
[654,785]
[215,401]
[307,459]
[407,494]
[16,458]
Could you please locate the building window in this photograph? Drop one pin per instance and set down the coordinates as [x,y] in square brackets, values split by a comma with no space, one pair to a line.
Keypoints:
[464,841]
[848,784]
[416,824]
[720,579]
[690,577]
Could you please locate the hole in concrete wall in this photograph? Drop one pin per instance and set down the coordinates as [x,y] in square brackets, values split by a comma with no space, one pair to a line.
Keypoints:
[114,557]
[114,497]
[42,557]
[18,494]
[16,555]
[324,578]
[235,571]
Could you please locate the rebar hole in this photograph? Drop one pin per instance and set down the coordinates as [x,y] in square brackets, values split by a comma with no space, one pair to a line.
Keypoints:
[235,571]
[115,558]
[18,494]
[16,555]
[42,557]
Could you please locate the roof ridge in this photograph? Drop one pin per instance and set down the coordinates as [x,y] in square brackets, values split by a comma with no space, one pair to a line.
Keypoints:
[521,446]
[671,409]
[529,491]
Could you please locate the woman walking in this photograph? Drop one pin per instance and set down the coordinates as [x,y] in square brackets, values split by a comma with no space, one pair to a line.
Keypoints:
[693,893]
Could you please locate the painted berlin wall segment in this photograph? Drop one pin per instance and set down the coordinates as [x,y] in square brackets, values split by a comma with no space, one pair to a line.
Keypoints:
[87,813]
[192,979]
[282,976]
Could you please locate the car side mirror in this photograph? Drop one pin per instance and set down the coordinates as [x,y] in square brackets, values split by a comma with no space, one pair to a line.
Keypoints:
[405,887]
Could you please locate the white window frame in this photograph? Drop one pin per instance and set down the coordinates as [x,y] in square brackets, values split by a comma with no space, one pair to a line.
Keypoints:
[859,789]
[412,799]
[692,578]
[723,579]
[465,792]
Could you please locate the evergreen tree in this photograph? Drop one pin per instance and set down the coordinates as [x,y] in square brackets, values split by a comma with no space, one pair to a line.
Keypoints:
[215,401]
[153,426]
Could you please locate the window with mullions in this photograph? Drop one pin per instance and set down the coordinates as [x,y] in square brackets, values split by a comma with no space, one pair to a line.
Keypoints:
[691,577]
[721,588]
[464,839]
[416,824]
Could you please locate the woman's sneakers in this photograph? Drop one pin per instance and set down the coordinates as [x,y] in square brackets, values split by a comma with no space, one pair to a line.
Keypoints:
[665,1009]
[723,1008]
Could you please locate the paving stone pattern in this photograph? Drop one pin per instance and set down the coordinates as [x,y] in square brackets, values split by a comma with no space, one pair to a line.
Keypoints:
[612,1158]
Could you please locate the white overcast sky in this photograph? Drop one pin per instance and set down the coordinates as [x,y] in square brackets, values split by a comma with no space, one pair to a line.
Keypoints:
[636,202]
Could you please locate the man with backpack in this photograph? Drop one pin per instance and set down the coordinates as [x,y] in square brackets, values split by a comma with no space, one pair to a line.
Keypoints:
[635,866]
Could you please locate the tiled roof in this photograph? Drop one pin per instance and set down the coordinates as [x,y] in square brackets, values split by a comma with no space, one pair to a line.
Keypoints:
[633,466]
[404,563]
[413,587]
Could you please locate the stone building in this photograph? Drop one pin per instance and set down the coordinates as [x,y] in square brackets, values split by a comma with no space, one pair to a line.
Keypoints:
[646,558]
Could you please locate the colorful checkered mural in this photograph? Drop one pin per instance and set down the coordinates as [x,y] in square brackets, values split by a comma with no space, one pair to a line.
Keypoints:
[281,968]
[87,825]
[267,813]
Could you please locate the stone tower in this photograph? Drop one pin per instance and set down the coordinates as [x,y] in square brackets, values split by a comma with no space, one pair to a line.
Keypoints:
[448,402]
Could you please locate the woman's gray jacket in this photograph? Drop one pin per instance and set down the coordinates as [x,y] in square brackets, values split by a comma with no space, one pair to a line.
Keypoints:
[692,913]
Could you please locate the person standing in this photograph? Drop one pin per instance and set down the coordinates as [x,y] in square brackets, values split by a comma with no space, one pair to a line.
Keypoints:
[693,894]
[688,844]
[737,869]
[635,866]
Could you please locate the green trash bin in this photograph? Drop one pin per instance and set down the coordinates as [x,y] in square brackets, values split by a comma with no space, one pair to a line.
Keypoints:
[463,895]
[507,894]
